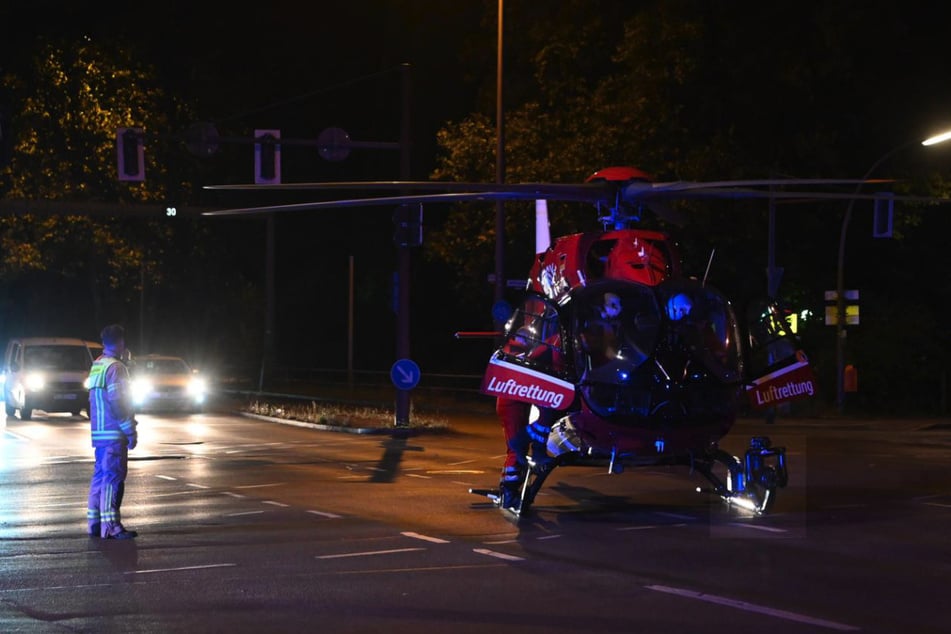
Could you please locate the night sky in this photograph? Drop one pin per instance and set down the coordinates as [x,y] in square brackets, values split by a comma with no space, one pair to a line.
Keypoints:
[297,66]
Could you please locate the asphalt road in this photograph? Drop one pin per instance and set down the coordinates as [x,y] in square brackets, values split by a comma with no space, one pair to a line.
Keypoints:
[248,525]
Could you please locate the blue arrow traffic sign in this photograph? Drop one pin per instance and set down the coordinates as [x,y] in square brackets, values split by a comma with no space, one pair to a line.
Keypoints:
[405,374]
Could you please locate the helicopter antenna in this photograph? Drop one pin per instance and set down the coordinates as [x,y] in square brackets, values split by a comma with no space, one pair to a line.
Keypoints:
[709,264]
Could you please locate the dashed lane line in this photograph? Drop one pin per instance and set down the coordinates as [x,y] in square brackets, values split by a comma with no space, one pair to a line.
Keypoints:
[435,540]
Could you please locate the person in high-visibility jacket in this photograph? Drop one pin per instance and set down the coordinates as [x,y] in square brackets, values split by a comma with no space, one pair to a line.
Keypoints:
[113,426]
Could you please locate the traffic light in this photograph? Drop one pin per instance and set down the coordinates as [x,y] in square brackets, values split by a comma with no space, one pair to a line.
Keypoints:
[408,226]
[130,146]
[267,157]
[883,216]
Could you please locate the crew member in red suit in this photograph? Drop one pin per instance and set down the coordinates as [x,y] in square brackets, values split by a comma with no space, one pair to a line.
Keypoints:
[514,416]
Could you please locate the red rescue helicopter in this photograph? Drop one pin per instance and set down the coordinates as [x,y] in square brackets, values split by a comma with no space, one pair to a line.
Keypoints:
[627,360]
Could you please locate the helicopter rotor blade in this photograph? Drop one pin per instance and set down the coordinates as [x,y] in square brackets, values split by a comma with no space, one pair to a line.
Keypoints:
[601,193]
[370,202]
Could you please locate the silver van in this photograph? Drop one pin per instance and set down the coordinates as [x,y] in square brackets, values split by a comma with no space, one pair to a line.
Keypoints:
[47,373]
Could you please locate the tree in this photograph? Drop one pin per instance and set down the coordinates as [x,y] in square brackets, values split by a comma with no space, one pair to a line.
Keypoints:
[64,149]
[64,121]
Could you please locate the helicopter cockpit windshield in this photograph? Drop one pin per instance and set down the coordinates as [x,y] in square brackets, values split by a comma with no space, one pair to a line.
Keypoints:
[637,346]
[617,325]
[701,323]
[616,322]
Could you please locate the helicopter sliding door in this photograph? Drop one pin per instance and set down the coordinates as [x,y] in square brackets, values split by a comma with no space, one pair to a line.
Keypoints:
[534,337]
[531,365]
[780,370]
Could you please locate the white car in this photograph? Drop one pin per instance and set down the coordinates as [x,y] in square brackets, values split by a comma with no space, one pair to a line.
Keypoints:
[166,383]
[48,374]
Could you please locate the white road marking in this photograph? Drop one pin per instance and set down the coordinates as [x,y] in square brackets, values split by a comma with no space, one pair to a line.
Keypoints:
[165,477]
[244,513]
[435,540]
[146,572]
[751,607]
[275,503]
[418,569]
[196,486]
[768,529]
[416,475]
[497,555]
[325,514]
[368,553]
[260,486]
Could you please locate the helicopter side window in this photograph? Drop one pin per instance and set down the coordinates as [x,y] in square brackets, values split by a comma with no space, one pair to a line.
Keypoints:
[771,338]
[534,337]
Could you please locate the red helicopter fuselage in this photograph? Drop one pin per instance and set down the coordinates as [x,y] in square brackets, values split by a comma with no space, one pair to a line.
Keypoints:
[645,362]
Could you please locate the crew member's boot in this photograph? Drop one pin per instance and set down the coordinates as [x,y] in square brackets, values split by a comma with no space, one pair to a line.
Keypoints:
[510,488]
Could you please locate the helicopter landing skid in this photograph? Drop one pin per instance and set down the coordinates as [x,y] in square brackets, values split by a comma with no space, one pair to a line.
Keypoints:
[750,483]
[530,484]
[495,496]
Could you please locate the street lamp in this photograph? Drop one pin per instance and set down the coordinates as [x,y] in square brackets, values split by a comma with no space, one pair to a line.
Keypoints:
[499,171]
[840,333]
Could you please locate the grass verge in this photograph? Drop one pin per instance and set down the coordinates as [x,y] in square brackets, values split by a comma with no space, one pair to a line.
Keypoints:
[348,416]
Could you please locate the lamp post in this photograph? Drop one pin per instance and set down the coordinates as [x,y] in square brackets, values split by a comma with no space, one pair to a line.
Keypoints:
[499,168]
[840,332]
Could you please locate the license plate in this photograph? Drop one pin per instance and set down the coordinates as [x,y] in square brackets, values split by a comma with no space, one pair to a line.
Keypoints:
[64,397]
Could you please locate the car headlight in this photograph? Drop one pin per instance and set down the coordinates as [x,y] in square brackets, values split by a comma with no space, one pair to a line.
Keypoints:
[140,389]
[34,381]
[197,388]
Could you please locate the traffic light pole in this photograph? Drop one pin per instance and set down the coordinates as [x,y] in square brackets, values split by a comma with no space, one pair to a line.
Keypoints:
[840,332]
[402,406]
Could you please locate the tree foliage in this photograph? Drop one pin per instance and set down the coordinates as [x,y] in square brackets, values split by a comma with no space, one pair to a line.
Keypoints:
[64,150]
[139,270]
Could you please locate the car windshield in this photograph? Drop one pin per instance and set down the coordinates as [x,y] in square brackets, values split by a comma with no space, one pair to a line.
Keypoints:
[57,357]
[161,366]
